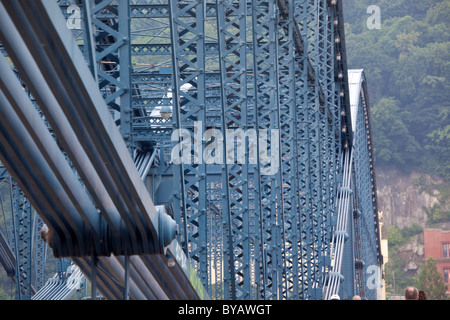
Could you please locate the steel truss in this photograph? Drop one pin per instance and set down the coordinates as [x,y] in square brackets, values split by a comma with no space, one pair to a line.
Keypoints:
[280,67]
[367,252]
[22,246]
[231,15]
[273,224]
[22,251]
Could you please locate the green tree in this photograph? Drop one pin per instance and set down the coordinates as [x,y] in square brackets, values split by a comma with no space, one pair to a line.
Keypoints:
[396,277]
[439,13]
[406,63]
[395,236]
[4,295]
[431,281]
[393,141]
[439,142]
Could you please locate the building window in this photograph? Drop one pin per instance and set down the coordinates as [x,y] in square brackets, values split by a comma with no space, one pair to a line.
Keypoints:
[445,250]
[446,275]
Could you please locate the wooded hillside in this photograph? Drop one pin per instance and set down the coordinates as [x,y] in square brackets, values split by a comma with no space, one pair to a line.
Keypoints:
[407,63]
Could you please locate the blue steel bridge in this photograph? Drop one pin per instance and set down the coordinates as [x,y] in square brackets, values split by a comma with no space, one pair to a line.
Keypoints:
[101,100]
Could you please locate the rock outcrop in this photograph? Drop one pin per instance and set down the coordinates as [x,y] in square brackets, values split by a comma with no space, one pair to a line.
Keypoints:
[401,197]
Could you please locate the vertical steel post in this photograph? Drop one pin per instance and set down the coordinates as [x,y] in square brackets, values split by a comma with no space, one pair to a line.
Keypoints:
[114,59]
[22,219]
[288,68]
[267,117]
[232,34]
[40,252]
[188,50]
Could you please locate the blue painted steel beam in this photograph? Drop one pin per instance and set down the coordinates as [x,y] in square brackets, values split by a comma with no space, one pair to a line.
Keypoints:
[19,144]
[29,247]
[323,133]
[20,242]
[113,58]
[180,269]
[367,259]
[188,67]
[312,141]
[231,21]
[287,73]
[40,252]
[103,143]
[267,117]
[288,67]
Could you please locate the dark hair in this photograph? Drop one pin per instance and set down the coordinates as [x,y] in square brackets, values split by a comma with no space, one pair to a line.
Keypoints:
[422,295]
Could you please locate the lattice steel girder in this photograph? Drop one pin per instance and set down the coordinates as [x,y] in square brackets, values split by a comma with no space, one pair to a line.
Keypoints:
[20,150]
[40,252]
[308,148]
[22,215]
[368,256]
[267,116]
[232,25]
[322,125]
[319,141]
[67,76]
[329,124]
[311,135]
[16,250]
[288,67]
[188,56]
[113,57]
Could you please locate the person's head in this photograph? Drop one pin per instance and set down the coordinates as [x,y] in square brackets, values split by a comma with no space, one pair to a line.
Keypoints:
[356,297]
[411,293]
[335,297]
